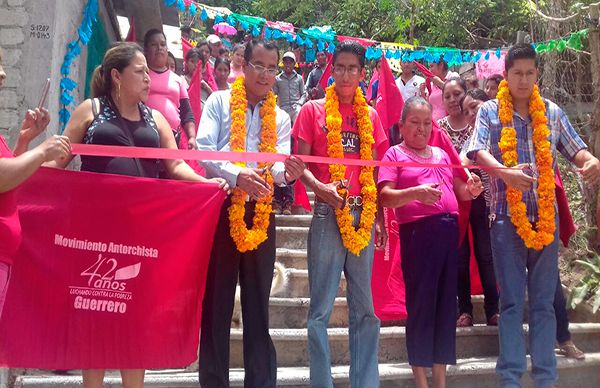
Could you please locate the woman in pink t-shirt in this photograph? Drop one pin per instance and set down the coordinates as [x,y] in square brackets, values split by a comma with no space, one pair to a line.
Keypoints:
[425,199]
[237,62]
[168,92]
[15,168]
[441,73]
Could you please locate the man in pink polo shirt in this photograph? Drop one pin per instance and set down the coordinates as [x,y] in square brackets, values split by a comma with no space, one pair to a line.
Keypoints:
[326,265]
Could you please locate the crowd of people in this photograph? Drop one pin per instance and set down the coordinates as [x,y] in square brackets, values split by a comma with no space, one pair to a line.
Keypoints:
[141,99]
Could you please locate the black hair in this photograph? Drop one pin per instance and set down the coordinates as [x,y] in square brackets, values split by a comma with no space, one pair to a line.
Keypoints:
[412,102]
[220,61]
[461,82]
[497,78]
[270,46]
[223,50]
[475,94]
[194,53]
[351,47]
[151,32]
[443,63]
[170,55]
[519,51]
[118,57]
[237,47]
[201,43]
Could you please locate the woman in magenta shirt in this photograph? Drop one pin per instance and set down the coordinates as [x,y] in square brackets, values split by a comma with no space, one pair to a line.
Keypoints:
[168,92]
[426,205]
[15,168]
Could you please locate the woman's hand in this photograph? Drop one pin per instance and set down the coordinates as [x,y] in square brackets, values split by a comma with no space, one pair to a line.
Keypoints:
[223,185]
[428,193]
[35,122]
[474,186]
[423,91]
[55,148]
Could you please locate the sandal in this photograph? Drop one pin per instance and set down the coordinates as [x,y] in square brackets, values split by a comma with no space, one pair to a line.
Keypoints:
[493,320]
[569,350]
[464,320]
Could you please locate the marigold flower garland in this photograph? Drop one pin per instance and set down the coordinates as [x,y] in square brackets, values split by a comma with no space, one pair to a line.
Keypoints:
[249,239]
[355,240]
[546,226]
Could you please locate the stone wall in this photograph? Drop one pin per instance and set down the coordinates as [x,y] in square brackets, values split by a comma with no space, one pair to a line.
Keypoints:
[33,38]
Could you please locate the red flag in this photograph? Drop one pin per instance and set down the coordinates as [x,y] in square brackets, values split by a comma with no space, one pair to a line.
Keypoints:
[210,77]
[389,99]
[387,282]
[131,35]
[326,73]
[194,92]
[185,47]
[110,273]
[300,195]
[567,227]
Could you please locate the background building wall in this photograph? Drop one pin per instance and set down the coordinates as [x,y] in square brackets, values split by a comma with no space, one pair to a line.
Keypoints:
[33,38]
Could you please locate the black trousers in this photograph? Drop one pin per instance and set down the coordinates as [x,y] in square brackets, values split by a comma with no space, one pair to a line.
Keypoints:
[562,318]
[479,222]
[284,195]
[428,248]
[255,269]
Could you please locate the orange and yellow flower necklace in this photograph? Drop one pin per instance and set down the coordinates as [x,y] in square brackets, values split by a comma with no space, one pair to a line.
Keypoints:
[249,239]
[355,240]
[546,226]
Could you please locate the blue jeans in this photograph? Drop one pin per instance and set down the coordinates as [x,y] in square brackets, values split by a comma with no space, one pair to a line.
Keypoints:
[327,258]
[518,267]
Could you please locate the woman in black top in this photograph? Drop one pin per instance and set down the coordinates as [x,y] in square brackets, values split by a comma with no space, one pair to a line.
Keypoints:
[118,116]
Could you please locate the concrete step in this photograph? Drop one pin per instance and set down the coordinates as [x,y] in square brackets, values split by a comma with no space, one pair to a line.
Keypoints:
[292,313]
[476,341]
[478,372]
[293,220]
[298,284]
[291,237]
[292,258]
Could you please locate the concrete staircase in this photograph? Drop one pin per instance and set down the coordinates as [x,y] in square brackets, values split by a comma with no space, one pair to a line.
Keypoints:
[477,346]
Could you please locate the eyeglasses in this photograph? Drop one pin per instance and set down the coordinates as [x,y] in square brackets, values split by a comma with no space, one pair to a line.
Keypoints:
[352,70]
[264,70]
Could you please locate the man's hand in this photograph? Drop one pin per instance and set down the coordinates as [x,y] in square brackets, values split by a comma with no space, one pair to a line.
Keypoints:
[294,168]
[328,193]
[381,235]
[35,122]
[591,171]
[515,177]
[253,184]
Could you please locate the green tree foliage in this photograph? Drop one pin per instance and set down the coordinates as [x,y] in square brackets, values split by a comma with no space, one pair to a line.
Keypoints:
[459,23]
